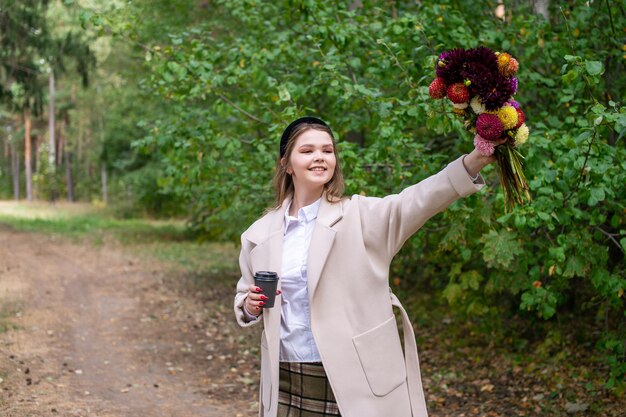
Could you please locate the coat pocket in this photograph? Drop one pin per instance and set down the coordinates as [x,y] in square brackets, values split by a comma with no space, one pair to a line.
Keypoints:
[380,353]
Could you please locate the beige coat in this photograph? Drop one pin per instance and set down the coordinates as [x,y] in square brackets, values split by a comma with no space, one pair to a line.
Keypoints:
[352,320]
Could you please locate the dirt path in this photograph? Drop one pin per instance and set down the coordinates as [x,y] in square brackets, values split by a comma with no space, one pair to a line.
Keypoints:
[95,331]
[98,333]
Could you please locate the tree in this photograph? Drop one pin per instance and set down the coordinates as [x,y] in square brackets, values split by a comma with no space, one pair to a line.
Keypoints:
[28,49]
[23,34]
[234,80]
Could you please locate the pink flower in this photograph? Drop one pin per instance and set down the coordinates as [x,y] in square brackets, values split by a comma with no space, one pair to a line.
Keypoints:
[484,146]
[489,126]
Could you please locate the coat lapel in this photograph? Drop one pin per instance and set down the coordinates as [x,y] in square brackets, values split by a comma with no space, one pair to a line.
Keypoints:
[321,242]
[267,256]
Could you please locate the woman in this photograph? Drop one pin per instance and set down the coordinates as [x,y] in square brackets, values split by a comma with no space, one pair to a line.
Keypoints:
[330,346]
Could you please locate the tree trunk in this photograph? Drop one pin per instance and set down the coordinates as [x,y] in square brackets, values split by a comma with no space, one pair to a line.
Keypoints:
[64,122]
[68,176]
[105,193]
[15,170]
[51,155]
[28,155]
[60,148]
[542,7]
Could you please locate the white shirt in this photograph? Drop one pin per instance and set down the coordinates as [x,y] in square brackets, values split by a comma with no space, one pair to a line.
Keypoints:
[296,339]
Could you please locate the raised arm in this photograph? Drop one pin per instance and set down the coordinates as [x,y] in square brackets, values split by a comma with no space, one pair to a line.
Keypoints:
[388,222]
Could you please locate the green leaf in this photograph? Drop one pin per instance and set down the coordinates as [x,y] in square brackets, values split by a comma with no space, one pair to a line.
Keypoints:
[598,108]
[597,195]
[574,266]
[570,76]
[557,253]
[177,69]
[283,93]
[471,280]
[571,58]
[543,216]
[500,248]
[453,293]
[476,307]
[85,16]
[594,67]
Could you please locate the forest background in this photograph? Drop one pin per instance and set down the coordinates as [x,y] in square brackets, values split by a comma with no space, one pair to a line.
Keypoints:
[173,109]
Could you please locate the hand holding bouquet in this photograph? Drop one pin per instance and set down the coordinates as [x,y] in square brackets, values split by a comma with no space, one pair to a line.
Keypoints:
[481,84]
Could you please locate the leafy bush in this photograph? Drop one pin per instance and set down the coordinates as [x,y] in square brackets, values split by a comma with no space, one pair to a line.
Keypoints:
[233,82]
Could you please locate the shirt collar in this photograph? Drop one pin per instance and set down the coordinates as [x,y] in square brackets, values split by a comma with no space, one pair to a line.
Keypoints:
[305,214]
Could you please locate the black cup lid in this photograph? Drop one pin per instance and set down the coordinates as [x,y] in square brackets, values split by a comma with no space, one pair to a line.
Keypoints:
[266,275]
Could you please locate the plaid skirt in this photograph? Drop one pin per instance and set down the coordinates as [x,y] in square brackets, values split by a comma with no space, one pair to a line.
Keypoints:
[304,391]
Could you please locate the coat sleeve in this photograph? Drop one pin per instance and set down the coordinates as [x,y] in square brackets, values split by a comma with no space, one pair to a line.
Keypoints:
[388,222]
[242,286]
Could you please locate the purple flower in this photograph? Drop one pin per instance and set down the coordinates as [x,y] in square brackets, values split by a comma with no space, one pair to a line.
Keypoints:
[498,93]
[483,55]
[450,64]
[478,69]
[514,82]
[513,103]
[480,76]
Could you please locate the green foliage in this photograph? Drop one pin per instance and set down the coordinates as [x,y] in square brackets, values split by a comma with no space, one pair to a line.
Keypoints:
[226,87]
[29,49]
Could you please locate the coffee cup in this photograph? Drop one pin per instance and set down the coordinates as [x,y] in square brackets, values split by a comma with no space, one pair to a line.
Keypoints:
[268,282]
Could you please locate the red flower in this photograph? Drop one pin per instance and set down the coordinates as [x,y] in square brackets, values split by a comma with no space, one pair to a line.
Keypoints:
[489,126]
[437,88]
[458,93]
[520,118]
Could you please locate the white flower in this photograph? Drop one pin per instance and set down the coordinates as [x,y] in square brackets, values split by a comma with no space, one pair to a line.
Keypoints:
[522,134]
[460,106]
[477,106]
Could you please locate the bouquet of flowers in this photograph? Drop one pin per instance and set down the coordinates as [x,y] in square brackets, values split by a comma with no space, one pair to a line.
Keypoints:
[481,84]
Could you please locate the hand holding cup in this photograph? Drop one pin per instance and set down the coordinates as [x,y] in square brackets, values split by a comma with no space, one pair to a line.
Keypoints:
[263,293]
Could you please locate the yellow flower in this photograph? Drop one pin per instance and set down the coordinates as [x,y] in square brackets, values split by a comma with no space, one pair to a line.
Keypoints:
[508,117]
[522,135]
[503,60]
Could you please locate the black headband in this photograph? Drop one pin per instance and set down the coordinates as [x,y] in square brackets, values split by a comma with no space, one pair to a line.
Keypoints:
[285,137]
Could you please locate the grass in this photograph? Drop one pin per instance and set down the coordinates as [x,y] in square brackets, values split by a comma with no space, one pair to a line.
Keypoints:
[7,310]
[83,221]
[6,325]
[164,240]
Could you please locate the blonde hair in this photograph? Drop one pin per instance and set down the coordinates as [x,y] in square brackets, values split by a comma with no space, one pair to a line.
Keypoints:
[283,183]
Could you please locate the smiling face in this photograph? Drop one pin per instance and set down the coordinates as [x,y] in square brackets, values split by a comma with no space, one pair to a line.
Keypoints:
[312,161]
